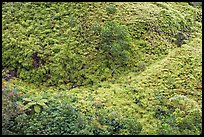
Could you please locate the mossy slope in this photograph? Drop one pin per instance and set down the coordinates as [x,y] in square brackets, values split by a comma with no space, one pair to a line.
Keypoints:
[158,87]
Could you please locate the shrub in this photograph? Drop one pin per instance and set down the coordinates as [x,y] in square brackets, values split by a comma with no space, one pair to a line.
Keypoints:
[115,43]
[108,122]
[182,117]
[65,119]
[111,9]
[195,4]
[34,104]
[10,106]
[58,119]
[172,124]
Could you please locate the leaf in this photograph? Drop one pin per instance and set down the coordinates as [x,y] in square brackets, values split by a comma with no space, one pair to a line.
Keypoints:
[37,108]
[74,28]
[42,104]
[29,105]
[18,102]
[44,100]
[27,99]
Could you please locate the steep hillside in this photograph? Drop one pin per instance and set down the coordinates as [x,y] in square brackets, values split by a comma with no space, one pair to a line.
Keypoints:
[102,68]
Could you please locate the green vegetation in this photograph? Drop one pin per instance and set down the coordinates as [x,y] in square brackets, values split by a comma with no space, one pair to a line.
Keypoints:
[102,68]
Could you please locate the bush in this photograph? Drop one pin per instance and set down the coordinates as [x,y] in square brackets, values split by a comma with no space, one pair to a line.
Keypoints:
[58,119]
[191,124]
[111,9]
[65,119]
[183,117]
[115,43]
[10,106]
[108,122]
[195,4]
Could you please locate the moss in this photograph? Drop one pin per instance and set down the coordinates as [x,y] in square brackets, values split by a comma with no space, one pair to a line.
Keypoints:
[72,52]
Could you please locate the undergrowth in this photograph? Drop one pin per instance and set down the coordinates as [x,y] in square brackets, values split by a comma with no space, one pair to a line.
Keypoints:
[101,68]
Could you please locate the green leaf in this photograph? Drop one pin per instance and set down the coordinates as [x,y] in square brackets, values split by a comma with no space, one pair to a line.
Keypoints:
[42,104]
[18,102]
[27,99]
[37,108]
[74,28]
[44,100]
[29,105]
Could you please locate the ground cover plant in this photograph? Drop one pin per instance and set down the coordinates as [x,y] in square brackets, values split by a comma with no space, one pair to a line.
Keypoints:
[101,68]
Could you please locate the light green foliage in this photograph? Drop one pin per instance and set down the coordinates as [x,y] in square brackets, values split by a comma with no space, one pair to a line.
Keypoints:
[35,104]
[104,68]
[55,44]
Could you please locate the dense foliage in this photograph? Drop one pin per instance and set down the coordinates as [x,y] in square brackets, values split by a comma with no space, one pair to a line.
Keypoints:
[10,106]
[101,68]
[52,45]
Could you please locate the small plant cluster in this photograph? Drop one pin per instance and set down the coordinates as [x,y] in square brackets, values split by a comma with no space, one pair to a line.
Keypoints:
[57,119]
[111,9]
[10,106]
[115,42]
[179,122]
[10,99]
[34,104]
[178,116]
[110,123]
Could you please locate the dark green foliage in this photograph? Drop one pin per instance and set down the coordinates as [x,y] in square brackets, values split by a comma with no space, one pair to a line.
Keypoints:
[10,107]
[180,37]
[107,122]
[111,9]
[176,119]
[115,42]
[58,119]
[191,124]
[64,119]
[195,4]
